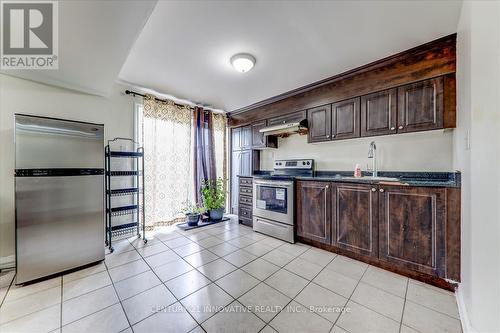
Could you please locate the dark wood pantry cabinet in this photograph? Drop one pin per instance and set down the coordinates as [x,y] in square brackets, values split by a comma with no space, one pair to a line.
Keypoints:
[243,160]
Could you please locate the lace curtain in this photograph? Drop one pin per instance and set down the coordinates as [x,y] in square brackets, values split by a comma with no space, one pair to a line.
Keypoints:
[167,160]
[166,133]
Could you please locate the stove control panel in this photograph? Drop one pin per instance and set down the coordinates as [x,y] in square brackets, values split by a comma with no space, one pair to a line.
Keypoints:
[294,164]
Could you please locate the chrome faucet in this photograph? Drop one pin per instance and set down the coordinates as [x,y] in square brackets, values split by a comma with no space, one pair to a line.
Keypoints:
[372,153]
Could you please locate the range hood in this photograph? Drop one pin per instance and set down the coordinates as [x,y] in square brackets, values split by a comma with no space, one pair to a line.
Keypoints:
[286,128]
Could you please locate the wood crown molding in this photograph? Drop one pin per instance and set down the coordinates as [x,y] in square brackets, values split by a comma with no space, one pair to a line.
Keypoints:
[425,61]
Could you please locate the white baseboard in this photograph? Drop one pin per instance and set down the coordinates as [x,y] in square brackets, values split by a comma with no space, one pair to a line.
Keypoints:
[7,262]
[464,317]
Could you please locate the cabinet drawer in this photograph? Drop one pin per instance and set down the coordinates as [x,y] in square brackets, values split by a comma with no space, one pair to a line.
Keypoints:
[245,200]
[246,190]
[245,212]
[246,181]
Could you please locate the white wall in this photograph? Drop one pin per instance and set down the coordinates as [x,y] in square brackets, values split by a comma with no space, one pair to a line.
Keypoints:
[478,104]
[424,151]
[22,96]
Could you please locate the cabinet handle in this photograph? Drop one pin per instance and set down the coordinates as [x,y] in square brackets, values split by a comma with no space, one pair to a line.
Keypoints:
[327,186]
[284,121]
[327,136]
[381,190]
[400,127]
[333,135]
[393,128]
[374,189]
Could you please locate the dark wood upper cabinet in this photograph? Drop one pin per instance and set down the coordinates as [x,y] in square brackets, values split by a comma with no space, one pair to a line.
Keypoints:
[313,211]
[345,119]
[287,118]
[420,106]
[379,113]
[412,228]
[259,140]
[355,218]
[246,138]
[319,121]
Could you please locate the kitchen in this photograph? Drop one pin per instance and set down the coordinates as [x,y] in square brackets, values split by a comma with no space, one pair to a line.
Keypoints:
[400,219]
[251,166]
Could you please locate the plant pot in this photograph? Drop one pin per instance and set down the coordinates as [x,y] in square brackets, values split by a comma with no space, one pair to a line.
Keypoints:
[192,219]
[216,214]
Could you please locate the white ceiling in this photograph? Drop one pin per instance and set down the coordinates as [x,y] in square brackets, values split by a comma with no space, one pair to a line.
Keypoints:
[95,38]
[185,47]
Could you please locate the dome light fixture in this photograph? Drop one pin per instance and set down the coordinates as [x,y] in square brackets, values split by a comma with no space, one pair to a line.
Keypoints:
[242,62]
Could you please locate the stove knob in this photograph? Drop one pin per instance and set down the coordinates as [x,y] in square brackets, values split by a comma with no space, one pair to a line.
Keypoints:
[303,163]
[308,163]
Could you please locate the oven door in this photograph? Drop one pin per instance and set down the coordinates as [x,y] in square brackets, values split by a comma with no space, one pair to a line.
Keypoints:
[273,200]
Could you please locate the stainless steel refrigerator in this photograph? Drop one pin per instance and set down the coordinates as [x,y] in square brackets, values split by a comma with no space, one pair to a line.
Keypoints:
[59,183]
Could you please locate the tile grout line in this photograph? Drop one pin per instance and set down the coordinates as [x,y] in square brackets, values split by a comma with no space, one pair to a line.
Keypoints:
[293,299]
[114,288]
[352,293]
[8,289]
[164,284]
[404,305]
[61,312]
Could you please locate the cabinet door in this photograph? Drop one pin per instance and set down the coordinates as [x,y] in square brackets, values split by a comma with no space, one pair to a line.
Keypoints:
[259,140]
[235,171]
[236,139]
[246,137]
[420,106]
[246,163]
[412,228]
[355,218]
[313,211]
[378,113]
[287,118]
[345,119]
[319,123]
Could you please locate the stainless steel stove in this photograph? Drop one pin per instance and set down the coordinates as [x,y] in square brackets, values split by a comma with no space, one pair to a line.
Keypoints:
[273,202]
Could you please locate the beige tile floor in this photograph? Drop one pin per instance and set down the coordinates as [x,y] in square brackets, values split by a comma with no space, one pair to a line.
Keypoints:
[225,278]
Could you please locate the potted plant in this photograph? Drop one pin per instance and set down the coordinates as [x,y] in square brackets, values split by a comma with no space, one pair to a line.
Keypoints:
[193,213]
[214,197]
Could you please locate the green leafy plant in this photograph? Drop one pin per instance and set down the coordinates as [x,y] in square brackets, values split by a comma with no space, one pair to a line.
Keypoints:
[214,193]
[193,209]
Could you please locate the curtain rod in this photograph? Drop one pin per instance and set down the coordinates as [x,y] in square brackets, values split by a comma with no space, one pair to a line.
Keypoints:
[135,93]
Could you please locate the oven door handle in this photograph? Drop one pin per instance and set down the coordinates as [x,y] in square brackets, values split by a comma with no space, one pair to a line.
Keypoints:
[273,183]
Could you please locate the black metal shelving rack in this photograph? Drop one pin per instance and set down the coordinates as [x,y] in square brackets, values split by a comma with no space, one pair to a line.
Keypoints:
[137,191]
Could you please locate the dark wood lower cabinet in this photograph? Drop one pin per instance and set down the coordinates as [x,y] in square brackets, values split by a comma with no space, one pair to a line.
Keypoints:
[412,228]
[355,218]
[313,210]
[413,231]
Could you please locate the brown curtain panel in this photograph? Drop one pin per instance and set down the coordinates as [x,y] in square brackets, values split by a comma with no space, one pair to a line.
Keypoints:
[203,150]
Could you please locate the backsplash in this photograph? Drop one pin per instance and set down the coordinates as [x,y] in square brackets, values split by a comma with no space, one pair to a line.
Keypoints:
[424,151]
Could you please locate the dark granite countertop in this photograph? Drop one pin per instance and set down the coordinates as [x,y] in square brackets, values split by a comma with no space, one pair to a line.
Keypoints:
[427,179]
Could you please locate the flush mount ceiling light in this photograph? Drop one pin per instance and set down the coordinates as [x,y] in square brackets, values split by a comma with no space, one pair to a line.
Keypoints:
[242,62]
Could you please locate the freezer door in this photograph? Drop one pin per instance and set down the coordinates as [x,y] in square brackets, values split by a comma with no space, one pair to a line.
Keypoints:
[59,224]
[52,143]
